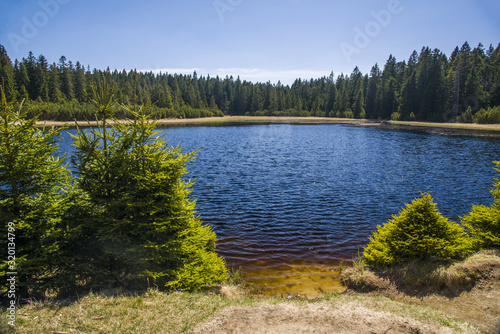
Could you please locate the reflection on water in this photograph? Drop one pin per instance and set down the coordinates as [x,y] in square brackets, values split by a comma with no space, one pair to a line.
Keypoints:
[288,202]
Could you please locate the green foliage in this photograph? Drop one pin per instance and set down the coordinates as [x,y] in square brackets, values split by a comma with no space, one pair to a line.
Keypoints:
[32,186]
[395,116]
[143,218]
[417,232]
[125,219]
[466,117]
[484,221]
[487,116]
[348,113]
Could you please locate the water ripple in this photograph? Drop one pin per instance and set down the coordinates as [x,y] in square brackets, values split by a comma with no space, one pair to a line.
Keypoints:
[283,195]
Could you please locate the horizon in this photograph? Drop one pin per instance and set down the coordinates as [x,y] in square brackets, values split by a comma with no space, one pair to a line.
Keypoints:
[258,41]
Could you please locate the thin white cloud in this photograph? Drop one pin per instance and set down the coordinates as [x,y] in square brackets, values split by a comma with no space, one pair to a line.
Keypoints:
[287,77]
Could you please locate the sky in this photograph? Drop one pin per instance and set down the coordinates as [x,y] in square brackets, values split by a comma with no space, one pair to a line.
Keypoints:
[258,40]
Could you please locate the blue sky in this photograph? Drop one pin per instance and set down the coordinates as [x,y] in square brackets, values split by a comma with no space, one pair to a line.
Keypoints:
[256,39]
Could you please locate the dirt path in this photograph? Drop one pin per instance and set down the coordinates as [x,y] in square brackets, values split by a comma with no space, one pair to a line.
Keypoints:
[320,317]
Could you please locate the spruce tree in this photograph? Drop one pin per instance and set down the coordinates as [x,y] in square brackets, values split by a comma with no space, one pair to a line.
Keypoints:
[7,75]
[32,186]
[417,232]
[144,220]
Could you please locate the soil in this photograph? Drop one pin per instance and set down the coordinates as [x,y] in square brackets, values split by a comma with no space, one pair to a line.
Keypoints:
[309,318]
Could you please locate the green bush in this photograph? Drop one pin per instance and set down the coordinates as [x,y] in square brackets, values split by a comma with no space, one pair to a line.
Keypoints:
[489,116]
[484,221]
[417,232]
[395,116]
[348,113]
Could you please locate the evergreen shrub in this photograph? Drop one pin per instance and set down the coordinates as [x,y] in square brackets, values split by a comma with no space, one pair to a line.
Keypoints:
[484,221]
[417,232]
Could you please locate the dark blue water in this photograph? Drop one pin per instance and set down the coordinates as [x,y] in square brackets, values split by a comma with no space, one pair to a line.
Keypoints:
[278,194]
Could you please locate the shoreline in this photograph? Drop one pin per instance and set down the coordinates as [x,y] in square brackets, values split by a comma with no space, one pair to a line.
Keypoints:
[229,120]
[226,120]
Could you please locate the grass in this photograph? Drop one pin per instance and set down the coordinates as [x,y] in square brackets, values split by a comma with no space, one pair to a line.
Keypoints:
[153,312]
[424,276]
[298,120]
[226,120]
[177,312]
[458,126]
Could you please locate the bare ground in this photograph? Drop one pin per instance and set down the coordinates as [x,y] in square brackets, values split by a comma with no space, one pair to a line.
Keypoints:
[320,317]
[384,304]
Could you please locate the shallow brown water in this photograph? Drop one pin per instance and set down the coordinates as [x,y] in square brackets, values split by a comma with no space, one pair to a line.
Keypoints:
[295,280]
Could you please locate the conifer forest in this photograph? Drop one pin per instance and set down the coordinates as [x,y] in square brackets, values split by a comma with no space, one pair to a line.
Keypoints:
[428,86]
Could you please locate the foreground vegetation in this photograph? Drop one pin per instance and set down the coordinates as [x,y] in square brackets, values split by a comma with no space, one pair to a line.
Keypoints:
[121,217]
[179,312]
[429,86]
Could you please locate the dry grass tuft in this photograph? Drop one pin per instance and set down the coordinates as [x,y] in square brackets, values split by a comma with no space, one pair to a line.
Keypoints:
[425,276]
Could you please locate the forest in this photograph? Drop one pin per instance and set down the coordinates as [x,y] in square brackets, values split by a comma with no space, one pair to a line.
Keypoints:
[429,86]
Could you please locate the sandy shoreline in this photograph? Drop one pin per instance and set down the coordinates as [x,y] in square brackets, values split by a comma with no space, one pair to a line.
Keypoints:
[226,120]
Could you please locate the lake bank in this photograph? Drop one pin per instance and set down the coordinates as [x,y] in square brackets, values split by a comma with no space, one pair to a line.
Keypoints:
[226,311]
[229,120]
[234,309]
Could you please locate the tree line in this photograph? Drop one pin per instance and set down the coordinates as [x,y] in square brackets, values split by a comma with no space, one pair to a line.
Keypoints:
[429,86]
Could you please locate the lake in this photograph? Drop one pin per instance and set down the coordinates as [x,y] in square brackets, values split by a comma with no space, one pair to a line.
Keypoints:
[289,202]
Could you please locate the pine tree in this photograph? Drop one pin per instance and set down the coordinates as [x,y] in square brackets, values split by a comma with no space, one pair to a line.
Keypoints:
[79,83]
[22,81]
[358,107]
[42,77]
[372,101]
[144,219]
[66,79]
[54,86]
[34,82]
[7,75]
[408,98]
[32,185]
[388,89]
[332,94]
